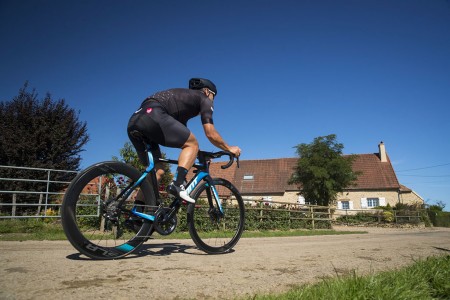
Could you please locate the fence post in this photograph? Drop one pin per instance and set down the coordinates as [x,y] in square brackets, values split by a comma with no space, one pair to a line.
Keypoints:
[39,207]
[311,210]
[261,205]
[47,190]
[330,217]
[13,209]
[289,215]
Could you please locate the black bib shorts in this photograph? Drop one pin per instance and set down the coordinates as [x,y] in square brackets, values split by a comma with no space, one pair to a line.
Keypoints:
[158,128]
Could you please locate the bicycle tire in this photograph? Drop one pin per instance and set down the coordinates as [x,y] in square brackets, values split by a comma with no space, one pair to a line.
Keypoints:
[213,234]
[83,207]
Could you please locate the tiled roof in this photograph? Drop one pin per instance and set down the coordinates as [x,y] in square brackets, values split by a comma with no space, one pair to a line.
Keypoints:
[270,176]
[405,189]
[264,176]
[375,174]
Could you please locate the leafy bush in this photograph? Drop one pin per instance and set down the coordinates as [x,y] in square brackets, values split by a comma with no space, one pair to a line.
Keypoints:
[360,217]
[388,216]
[439,218]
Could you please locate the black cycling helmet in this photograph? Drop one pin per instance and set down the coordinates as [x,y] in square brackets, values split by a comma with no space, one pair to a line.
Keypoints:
[199,83]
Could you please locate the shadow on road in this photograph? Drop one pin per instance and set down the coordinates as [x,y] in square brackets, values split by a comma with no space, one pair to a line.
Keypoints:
[159,249]
[442,249]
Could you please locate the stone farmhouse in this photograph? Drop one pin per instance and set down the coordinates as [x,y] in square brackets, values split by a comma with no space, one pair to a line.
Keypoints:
[267,179]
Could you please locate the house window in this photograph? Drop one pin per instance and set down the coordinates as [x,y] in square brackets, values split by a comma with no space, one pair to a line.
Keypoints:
[345,205]
[373,202]
[248,177]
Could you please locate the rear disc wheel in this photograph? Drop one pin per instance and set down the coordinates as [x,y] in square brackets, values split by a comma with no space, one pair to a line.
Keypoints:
[91,220]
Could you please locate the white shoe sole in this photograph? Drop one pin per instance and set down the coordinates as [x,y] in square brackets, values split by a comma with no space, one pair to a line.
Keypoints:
[185,197]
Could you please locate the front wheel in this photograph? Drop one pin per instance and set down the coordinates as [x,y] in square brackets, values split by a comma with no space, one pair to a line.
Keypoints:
[216,228]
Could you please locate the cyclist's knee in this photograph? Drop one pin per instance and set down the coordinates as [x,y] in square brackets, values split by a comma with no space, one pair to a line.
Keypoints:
[191,143]
[159,171]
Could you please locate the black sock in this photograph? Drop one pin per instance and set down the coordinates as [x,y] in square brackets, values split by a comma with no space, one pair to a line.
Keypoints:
[180,176]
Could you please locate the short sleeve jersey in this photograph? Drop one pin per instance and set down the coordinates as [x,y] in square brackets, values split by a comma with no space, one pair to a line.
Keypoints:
[185,104]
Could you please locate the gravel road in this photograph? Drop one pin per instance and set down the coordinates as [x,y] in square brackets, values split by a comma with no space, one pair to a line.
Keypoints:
[175,269]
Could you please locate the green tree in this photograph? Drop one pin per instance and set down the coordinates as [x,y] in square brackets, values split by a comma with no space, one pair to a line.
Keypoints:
[128,155]
[439,206]
[322,171]
[38,133]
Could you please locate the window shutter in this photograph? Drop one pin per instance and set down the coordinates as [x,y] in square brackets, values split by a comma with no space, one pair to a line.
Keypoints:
[382,201]
[339,205]
[350,203]
[363,202]
[301,200]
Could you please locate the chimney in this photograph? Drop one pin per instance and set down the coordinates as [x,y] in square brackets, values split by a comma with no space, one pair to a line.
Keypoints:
[382,149]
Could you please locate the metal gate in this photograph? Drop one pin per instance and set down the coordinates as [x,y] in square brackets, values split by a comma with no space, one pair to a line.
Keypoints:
[43,201]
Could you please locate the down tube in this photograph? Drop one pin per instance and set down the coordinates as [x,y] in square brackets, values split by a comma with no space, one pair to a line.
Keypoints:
[200,176]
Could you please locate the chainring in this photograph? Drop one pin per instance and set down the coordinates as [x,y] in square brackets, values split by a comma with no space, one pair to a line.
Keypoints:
[164,225]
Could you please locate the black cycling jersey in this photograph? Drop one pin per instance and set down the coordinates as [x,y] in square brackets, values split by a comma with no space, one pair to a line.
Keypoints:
[162,117]
[184,104]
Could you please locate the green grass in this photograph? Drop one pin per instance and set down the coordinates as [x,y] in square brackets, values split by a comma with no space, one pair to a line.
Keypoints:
[425,279]
[266,233]
[30,229]
[296,232]
[38,229]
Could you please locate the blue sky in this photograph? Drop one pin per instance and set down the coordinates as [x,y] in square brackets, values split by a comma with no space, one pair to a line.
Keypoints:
[286,71]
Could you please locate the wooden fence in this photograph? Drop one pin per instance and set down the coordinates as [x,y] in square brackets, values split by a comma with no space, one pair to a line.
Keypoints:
[349,217]
[262,214]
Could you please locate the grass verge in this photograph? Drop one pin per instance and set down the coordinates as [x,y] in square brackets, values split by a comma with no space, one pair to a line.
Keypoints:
[295,232]
[425,279]
[37,229]
[30,229]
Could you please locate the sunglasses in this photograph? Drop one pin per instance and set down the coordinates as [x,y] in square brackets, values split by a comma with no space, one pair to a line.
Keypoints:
[214,94]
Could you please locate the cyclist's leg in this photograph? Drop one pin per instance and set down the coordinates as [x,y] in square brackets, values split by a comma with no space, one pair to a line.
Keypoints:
[159,167]
[188,153]
[138,145]
[161,128]
[159,170]
[142,130]
[177,135]
[186,160]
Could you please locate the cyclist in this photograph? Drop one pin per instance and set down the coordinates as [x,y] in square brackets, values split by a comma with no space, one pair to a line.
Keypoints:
[161,120]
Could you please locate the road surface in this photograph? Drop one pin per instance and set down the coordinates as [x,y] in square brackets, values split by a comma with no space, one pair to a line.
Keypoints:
[175,269]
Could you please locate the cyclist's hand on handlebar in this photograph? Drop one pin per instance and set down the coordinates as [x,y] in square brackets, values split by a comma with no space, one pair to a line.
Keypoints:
[235,150]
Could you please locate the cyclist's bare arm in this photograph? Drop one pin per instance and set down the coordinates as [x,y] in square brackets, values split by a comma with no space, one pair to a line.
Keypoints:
[215,139]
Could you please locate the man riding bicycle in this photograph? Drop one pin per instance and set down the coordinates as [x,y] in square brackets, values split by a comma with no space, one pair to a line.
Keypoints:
[161,120]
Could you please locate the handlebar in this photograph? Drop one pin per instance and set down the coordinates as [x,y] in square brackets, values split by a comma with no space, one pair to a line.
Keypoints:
[219,154]
[203,157]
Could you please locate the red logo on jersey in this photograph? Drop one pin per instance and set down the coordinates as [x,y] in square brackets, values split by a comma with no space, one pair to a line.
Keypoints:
[149,110]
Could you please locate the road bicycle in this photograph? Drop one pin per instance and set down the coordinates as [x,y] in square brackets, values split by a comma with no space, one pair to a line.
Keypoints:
[111,208]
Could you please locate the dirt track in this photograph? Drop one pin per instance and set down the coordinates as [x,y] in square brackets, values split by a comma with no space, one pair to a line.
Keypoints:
[175,269]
